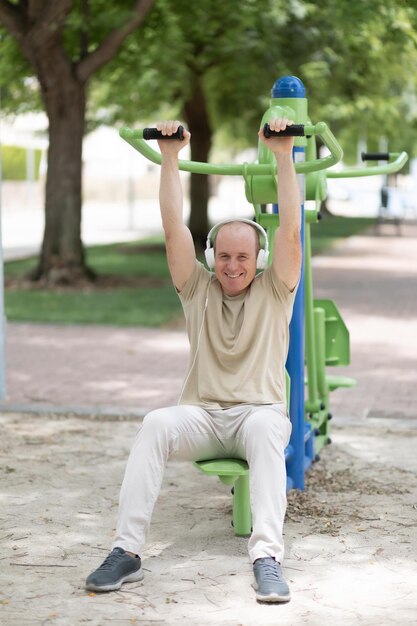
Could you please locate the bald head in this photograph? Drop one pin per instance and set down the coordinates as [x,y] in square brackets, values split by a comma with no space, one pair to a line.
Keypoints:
[236,248]
[238,232]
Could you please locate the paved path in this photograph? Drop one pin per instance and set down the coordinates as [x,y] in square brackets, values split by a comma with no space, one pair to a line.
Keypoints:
[85,369]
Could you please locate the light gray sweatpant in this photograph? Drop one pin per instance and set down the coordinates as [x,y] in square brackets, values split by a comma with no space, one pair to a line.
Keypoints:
[258,434]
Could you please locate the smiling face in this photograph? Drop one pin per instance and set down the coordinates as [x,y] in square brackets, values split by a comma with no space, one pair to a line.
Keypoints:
[235,251]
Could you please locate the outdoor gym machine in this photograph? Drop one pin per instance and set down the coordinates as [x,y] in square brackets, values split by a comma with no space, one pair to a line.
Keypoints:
[317,324]
[326,336]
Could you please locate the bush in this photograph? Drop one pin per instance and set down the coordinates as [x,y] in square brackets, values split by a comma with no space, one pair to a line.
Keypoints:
[14,162]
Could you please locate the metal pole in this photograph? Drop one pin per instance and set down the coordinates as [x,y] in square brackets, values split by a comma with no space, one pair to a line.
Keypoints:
[289,91]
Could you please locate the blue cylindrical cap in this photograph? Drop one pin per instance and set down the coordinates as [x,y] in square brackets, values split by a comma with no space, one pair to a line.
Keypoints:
[288,87]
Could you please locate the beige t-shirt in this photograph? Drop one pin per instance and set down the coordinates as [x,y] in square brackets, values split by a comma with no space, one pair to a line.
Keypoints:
[238,344]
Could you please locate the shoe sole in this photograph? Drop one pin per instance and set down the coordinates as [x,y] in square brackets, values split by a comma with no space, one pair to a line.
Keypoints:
[130,578]
[272,597]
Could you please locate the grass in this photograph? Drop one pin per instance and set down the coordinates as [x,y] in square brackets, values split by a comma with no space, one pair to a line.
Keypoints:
[137,289]
[333,228]
[121,307]
[144,258]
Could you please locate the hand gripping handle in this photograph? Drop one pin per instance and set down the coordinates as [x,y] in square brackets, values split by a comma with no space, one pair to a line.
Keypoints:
[295,130]
[154,133]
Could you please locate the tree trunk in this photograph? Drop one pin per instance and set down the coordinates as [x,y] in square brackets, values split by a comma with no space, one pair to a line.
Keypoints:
[197,119]
[62,255]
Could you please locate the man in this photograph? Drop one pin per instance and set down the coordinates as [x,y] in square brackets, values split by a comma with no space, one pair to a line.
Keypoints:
[232,403]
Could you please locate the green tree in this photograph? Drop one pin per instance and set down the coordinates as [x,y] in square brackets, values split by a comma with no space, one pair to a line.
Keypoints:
[357,61]
[213,64]
[63,43]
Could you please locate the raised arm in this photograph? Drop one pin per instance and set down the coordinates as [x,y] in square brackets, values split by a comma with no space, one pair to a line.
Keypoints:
[179,242]
[287,257]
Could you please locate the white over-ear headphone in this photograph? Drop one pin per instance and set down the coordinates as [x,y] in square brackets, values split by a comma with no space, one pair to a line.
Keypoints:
[262,258]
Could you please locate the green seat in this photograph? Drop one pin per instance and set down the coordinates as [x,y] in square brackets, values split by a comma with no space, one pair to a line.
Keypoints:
[233,472]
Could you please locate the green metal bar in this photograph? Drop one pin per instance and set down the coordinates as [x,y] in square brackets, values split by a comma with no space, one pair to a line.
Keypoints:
[132,137]
[269,219]
[270,222]
[320,328]
[330,142]
[310,215]
[242,517]
[310,344]
[320,441]
[396,162]
[135,139]
[319,421]
[321,418]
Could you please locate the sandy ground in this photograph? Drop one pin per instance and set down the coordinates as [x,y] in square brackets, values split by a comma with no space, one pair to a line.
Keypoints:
[350,537]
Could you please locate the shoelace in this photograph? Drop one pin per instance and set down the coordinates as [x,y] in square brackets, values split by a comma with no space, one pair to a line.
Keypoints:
[270,571]
[111,559]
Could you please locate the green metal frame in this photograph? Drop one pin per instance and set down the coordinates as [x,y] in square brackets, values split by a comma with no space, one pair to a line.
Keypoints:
[396,161]
[326,335]
[265,168]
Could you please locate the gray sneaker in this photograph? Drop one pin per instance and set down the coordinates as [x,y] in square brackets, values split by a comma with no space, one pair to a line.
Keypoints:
[117,568]
[269,583]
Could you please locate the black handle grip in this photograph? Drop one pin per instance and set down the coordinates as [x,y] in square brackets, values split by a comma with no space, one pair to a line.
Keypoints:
[154,133]
[375,156]
[295,130]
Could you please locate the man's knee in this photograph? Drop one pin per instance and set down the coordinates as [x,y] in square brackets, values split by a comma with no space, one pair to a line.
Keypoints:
[268,424]
[155,432]
[157,421]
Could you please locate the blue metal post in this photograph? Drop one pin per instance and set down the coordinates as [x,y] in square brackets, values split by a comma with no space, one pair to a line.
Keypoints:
[291,87]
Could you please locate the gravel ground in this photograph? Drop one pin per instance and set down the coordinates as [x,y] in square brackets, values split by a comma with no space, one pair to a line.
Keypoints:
[350,537]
